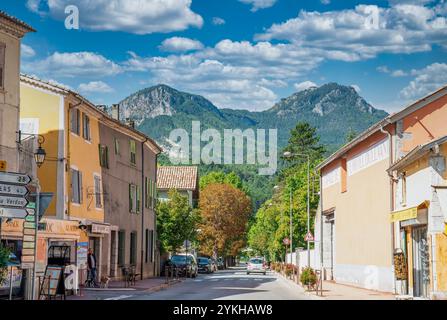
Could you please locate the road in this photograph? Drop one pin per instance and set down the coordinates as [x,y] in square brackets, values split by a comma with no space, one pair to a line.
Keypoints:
[230,284]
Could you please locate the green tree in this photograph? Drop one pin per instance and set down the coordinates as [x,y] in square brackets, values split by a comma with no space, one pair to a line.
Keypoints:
[4,259]
[176,221]
[221,177]
[351,135]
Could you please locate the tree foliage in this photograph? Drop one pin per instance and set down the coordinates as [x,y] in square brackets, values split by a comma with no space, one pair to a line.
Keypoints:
[176,221]
[221,177]
[225,211]
[272,223]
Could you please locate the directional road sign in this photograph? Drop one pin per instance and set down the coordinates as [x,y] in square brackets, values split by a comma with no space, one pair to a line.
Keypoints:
[15,202]
[15,213]
[13,190]
[14,178]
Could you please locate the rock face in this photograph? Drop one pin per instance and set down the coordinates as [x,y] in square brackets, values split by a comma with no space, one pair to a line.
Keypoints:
[334,109]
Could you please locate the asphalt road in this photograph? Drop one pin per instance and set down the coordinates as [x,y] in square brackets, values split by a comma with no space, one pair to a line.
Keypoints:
[231,284]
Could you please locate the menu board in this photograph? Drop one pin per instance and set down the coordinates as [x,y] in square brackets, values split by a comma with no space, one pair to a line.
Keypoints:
[52,279]
[81,254]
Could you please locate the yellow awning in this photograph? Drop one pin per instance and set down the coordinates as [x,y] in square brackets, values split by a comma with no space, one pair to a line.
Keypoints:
[409,213]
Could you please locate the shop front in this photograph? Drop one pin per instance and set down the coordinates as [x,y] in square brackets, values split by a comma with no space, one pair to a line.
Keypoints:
[414,276]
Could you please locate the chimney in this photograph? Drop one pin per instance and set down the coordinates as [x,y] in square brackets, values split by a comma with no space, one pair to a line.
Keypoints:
[116,111]
[130,123]
[102,107]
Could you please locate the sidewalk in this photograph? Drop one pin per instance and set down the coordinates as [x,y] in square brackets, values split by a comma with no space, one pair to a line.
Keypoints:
[336,291]
[146,285]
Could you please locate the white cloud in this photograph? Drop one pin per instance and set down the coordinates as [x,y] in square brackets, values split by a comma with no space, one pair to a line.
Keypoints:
[356,88]
[417,2]
[427,80]
[383,69]
[27,51]
[259,4]
[304,85]
[356,34]
[326,1]
[218,21]
[133,16]
[399,73]
[74,64]
[95,87]
[180,44]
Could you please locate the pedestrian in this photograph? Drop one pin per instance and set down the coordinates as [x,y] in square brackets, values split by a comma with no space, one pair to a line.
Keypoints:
[91,266]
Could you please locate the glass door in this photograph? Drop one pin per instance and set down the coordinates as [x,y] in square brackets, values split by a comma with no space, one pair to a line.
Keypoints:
[421,263]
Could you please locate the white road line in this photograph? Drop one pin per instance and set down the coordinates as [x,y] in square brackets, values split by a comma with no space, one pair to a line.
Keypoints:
[119,297]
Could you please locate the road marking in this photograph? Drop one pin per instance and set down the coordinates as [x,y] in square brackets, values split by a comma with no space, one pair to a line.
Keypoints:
[119,297]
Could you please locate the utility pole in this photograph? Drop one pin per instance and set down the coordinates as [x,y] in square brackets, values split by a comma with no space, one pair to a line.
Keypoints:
[291,224]
[308,209]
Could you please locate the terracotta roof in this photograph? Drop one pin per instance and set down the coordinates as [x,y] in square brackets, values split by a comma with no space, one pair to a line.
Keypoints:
[182,178]
[16,21]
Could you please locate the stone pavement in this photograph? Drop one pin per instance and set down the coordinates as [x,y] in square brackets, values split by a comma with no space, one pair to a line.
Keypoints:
[337,291]
[118,287]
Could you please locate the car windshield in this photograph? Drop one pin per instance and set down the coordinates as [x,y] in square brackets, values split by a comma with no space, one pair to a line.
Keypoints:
[256,261]
[180,259]
[202,260]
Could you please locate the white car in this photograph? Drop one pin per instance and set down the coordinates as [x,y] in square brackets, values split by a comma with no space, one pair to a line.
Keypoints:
[256,265]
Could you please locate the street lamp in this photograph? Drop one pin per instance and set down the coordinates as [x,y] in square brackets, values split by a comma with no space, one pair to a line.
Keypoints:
[289,155]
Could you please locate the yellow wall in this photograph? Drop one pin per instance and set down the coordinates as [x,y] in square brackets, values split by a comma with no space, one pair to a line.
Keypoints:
[441,265]
[84,155]
[45,106]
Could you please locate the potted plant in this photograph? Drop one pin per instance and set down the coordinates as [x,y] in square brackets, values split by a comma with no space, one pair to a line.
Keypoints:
[289,269]
[308,277]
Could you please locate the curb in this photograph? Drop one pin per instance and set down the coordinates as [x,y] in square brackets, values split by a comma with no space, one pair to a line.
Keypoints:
[304,291]
[161,287]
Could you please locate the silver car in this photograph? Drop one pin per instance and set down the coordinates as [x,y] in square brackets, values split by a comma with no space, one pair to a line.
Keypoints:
[256,265]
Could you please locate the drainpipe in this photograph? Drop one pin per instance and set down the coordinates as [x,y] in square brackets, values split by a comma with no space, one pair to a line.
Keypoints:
[393,244]
[321,231]
[143,206]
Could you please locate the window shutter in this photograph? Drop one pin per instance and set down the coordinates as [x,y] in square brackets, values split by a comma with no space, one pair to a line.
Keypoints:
[138,199]
[107,157]
[130,198]
[73,185]
[81,189]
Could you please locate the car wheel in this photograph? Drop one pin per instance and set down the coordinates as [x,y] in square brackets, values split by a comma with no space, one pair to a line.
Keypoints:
[248,272]
[265,273]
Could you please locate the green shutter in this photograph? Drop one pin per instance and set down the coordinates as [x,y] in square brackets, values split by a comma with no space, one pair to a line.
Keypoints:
[130,198]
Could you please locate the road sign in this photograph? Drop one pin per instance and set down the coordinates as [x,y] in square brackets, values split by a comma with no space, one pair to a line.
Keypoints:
[286,241]
[27,265]
[14,178]
[309,237]
[15,213]
[13,190]
[3,165]
[14,202]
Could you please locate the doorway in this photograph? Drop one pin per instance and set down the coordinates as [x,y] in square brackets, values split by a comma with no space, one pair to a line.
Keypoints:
[421,262]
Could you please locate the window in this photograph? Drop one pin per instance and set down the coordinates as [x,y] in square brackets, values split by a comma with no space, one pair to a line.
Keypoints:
[121,247]
[117,146]
[150,193]
[404,189]
[2,65]
[98,201]
[133,248]
[149,245]
[86,127]
[75,121]
[76,186]
[104,156]
[133,152]
[134,198]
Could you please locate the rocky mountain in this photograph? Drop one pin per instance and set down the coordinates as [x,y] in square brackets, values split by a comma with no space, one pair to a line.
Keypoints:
[334,109]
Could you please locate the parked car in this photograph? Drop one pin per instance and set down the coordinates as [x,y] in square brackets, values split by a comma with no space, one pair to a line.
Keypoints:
[204,265]
[187,267]
[220,264]
[256,265]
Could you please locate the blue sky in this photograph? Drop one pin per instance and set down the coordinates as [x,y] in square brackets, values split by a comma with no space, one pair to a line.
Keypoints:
[244,54]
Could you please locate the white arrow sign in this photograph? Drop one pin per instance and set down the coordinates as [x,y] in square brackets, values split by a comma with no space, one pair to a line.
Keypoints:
[15,178]
[13,202]
[13,190]
[14,213]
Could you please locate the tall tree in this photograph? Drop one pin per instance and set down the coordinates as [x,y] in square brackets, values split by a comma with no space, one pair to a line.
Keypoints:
[225,211]
[176,221]
[221,177]
[351,135]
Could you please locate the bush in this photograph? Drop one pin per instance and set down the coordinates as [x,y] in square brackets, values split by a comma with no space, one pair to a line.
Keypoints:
[289,269]
[308,277]
[4,258]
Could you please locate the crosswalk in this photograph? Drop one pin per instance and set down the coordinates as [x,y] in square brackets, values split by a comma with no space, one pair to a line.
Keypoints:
[229,279]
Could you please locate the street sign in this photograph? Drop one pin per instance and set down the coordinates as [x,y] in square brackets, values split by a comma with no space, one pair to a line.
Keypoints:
[15,213]
[309,237]
[3,165]
[27,265]
[15,202]
[14,178]
[286,241]
[13,190]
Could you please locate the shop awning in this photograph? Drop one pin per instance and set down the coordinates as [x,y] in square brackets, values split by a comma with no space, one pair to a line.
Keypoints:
[409,213]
